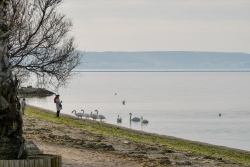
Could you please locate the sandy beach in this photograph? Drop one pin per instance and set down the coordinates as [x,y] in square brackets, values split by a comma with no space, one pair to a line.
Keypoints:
[82,148]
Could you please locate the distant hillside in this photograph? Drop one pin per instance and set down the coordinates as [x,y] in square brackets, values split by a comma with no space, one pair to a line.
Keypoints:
[164,60]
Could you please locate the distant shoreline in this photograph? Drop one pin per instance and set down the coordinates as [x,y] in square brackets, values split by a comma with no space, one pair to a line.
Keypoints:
[161,71]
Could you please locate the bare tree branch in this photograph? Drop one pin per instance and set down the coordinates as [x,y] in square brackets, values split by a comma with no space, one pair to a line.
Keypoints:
[40,43]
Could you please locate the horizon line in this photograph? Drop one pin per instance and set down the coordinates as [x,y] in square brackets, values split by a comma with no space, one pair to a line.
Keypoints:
[164,51]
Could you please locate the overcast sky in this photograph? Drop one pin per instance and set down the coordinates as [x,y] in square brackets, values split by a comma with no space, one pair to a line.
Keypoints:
[160,25]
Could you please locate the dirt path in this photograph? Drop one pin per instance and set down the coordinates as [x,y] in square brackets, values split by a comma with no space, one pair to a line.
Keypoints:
[81,148]
[73,157]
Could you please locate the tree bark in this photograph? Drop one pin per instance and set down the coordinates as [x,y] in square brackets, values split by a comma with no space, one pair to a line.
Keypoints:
[11,139]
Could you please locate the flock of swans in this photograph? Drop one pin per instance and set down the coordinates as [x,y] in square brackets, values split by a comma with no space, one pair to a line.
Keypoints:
[101,117]
[91,115]
[137,119]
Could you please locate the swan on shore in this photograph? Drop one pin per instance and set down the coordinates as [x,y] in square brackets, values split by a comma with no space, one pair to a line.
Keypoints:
[93,116]
[143,120]
[86,115]
[101,117]
[77,114]
[135,119]
[119,119]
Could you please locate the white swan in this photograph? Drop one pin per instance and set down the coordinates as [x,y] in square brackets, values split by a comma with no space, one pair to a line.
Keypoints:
[135,119]
[119,119]
[93,116]
[101,117]
[86,115]
[77,114]
[143,120]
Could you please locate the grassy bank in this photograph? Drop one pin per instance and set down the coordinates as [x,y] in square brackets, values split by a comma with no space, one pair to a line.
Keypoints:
[211,151]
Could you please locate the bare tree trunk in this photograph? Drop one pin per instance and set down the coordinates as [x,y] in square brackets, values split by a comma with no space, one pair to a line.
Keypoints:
[11,140]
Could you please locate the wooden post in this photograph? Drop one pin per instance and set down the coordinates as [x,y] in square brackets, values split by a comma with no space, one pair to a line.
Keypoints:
[40,160]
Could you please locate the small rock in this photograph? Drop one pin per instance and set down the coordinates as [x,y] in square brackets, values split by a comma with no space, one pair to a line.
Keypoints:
[165,161]
[167,151]
[105,147]
[51,135]
[184,163]
[126,142]
[80,142]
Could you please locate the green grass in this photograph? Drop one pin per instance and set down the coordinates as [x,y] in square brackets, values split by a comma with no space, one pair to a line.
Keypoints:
[203,149]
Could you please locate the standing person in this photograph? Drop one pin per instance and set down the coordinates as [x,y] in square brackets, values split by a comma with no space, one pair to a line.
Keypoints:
[58,105]
[23,105]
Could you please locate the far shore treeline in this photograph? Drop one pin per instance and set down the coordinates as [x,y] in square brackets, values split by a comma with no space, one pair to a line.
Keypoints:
[165,61]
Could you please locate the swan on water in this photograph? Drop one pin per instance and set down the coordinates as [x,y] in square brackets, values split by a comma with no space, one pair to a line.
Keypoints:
[77,114]
[119,119]
[143,120]
[86,115]
[101,117]
[135,119]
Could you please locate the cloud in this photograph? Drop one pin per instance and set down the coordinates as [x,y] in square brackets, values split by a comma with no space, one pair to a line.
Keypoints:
[160,9]
[131,25]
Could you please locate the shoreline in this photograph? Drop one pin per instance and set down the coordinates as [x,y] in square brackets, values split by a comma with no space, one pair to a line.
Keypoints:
[150,133]
[164,143]
[182,71]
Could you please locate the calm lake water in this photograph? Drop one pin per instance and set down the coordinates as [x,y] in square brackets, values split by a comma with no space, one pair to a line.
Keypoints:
[180,104]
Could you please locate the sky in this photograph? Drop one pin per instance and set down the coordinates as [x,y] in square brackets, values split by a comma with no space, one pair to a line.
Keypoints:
[160,25]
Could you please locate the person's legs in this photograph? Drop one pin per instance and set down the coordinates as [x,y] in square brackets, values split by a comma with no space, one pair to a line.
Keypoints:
[57,113]
[23,111]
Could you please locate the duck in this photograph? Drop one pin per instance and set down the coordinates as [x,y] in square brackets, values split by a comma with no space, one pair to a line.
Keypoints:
[86,115]
[101,117]
[119,119]
[135,119]
[78,114]
[143,120]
